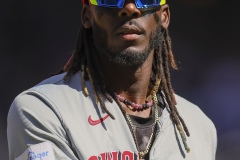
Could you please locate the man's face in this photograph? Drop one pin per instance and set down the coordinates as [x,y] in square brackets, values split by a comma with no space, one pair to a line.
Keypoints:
[126,36]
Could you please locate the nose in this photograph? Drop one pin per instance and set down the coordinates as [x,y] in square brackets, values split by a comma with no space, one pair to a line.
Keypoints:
[129,10]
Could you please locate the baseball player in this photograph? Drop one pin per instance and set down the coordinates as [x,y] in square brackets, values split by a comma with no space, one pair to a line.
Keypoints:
[113,100]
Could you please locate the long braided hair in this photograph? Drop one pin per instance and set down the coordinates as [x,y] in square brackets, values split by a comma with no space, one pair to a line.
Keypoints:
[83,60]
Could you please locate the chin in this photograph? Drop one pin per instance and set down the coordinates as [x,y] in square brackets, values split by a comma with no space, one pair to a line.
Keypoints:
[130,56]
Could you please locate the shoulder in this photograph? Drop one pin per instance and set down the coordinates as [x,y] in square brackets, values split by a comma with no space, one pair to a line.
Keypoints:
[200,126]
[192,113]
[57,82]
[51,93]
[54,93]
[57,88]
[38,99]
[45,101]
[39,114]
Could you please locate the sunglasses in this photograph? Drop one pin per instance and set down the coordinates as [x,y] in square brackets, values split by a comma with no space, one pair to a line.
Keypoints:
[120,3]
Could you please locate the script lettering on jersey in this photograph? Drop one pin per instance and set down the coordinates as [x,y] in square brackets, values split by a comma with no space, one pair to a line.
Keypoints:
[40,156]
[115,155]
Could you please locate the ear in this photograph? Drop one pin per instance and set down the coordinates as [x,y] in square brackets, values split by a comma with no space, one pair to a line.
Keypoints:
[86,16]
[165,16]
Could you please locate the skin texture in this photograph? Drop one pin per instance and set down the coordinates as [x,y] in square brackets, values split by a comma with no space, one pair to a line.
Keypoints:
[124,41]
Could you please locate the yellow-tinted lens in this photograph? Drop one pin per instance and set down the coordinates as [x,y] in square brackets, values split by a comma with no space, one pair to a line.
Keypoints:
[163,2]
[94,2]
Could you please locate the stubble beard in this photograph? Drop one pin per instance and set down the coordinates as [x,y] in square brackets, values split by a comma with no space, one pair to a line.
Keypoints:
[130,57]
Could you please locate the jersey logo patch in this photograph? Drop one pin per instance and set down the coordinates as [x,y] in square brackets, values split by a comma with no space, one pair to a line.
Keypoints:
[95,122]
[41,151]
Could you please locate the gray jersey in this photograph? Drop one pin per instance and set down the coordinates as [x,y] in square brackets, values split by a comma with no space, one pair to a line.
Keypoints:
[54,120]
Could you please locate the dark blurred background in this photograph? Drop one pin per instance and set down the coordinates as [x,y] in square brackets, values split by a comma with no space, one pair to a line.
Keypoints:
[37,38]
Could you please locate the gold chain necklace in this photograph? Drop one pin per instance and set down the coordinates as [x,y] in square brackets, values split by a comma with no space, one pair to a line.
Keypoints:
[142,154]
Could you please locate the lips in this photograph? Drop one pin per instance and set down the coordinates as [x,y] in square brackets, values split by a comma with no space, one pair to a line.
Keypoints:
[128,29]
[129,32]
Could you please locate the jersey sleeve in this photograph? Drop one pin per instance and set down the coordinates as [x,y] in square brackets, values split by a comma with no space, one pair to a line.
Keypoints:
[31,122]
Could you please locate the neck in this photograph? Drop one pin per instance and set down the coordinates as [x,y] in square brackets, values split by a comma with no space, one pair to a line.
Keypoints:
[131,82]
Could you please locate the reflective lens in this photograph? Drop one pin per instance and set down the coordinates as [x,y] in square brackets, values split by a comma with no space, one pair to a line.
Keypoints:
[109,2]
[150,2]
[147,3]
[120,3]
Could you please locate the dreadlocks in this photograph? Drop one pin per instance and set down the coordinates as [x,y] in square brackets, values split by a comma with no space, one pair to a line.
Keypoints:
[83,60]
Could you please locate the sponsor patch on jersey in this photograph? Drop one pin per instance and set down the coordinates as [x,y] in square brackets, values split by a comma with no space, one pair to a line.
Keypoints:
[41,151]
